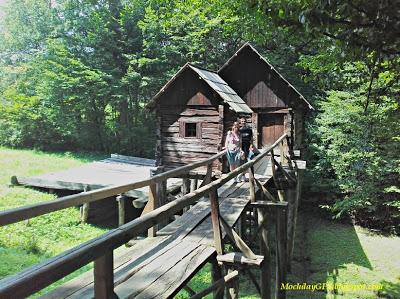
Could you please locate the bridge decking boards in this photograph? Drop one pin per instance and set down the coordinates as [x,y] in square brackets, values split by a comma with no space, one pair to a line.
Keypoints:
[158,267]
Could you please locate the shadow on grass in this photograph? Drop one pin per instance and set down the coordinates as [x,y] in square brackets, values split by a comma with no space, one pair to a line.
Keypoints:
[389,289]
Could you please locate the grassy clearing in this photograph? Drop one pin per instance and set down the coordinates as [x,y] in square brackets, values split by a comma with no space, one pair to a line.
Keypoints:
[29,242]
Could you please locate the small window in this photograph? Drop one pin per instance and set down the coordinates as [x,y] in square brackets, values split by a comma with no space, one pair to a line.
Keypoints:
[190,130]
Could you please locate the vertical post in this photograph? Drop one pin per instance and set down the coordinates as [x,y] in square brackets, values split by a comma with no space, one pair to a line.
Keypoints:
[121,209]
[185,190]
[233,287]
[85,208]
[216,274]
[104,277]
[282,152]
[281,254]
[252,185]
[150,206]
[265,251]
[215,221]
[193,184]
[266,269]
[290,193]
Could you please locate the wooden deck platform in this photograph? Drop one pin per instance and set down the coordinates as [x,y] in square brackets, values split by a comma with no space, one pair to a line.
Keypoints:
[158,267]
[117,169]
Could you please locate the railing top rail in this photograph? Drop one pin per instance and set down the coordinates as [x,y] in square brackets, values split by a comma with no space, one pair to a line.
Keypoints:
[57,267]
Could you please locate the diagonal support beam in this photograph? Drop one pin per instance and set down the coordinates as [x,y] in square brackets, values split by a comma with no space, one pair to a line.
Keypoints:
[237,240]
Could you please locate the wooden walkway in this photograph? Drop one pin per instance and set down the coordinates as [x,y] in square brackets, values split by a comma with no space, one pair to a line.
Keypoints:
[159,267]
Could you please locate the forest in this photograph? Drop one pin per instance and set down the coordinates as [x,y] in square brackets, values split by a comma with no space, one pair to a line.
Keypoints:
[75,75]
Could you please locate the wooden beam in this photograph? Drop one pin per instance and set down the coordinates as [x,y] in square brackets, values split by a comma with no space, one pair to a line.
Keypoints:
[265,251]
[264,190]
[232,286]
[238,242]
[265,204]
[238,258]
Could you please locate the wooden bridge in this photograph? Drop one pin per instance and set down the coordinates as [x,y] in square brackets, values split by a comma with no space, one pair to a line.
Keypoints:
[162,264]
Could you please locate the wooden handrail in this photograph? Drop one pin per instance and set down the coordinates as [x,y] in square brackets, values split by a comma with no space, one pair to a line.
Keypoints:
[30,211]
[53,269]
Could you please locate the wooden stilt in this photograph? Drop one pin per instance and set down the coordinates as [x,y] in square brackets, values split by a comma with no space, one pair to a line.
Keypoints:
[233,287]
[121,209]
[185,190]
[216,275]
[85,208]
[266,269]
[281,254]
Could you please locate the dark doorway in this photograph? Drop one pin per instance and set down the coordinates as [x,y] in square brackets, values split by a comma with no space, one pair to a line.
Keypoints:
[271,127]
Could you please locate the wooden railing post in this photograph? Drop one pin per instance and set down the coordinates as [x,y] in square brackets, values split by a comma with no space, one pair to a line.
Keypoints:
[252,185]
[185,190]
[266,269]
[121,209]
[215,221]
[85,208]
[151,206]
[104,277]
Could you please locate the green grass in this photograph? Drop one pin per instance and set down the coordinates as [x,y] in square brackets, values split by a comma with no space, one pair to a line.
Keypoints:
[29,242]
[346,254]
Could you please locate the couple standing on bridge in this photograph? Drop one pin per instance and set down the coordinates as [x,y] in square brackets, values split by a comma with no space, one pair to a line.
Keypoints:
[239,146]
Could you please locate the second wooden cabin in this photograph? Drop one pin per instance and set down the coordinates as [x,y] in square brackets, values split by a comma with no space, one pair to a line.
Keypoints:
[196,108]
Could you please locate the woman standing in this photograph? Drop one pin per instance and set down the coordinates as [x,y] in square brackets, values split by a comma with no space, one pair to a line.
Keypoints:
[232,145]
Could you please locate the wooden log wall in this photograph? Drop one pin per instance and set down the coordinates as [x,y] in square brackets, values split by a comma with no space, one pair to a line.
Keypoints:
[177,150]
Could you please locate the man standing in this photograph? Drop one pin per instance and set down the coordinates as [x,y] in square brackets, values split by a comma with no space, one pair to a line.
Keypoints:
[246,135]
[246,138]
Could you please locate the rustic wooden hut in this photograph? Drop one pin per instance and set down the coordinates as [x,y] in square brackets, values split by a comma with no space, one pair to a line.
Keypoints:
[277,106]
[193,111]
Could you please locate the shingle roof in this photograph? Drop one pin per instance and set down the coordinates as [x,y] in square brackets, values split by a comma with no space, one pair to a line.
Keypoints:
[228,95]
[271,67]
[216,83]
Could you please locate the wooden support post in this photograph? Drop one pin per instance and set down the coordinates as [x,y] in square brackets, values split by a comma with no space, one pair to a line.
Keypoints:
[252,185]
[290,194]
[266,269]
[282,152]
[281,254]
[104,277]
[85,208]
[265,251]
[216,275]
[215,221]
[193,184]
[121,209]
[151,205]
[185,190]
[233,287]
[208,177]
